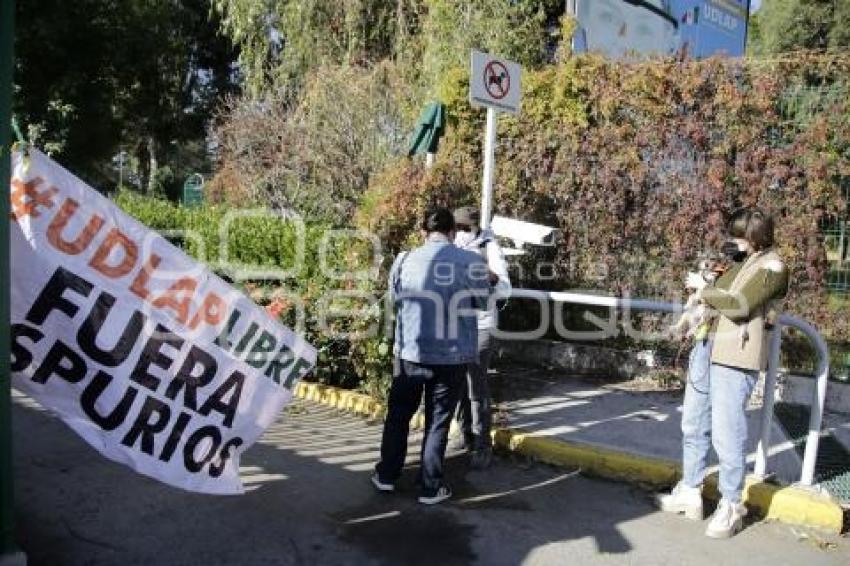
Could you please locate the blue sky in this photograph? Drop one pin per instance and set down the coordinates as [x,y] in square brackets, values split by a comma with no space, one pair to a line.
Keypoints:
[755,5]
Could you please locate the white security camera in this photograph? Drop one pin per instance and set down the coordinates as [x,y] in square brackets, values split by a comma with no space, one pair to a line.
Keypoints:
[523,232]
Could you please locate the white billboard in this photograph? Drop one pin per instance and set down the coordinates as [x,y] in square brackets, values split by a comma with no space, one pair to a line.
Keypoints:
[625,29]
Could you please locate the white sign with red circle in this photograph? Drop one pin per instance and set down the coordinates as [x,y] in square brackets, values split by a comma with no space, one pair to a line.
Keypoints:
[494,82]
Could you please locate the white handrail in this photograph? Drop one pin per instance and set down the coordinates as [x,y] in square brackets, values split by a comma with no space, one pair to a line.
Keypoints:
[821,373]
[810,456]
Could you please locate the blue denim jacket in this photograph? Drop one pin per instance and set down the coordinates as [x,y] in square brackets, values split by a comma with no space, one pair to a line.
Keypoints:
[438,289]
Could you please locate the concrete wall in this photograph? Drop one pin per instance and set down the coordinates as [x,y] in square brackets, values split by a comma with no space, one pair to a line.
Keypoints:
[797,389]
[579,359]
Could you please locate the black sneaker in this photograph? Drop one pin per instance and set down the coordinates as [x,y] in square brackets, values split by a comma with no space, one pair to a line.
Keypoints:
[381,486]
[481,458]
[442,494]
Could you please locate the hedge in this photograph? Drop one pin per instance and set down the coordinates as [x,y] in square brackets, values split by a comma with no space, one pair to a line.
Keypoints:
[265,239]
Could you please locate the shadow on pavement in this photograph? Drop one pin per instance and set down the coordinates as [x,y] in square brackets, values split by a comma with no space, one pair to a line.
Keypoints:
[308,501]
[616,415]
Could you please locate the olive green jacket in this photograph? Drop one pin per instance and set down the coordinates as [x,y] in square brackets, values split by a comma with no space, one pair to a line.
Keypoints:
[747,300]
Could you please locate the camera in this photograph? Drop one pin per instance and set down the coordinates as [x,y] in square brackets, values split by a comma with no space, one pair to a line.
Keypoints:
[521,233]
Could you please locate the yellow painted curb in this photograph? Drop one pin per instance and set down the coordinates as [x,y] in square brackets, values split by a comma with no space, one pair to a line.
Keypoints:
[791,505]
[794,505]
[594,461]
[346,400]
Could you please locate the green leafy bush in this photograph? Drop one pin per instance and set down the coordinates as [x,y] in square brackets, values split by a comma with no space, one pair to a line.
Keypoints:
[352,347]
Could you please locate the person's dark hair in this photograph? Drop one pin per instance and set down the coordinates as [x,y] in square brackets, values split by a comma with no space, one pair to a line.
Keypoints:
[754,225]
[438,219]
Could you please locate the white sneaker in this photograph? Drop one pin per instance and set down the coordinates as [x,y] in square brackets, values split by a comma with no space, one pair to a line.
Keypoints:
[683,499]
[727,520]
[381,486]
[442,494]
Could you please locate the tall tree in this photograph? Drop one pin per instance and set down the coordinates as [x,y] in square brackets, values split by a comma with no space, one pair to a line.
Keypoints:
[99,75]
[281,41]
[785,25]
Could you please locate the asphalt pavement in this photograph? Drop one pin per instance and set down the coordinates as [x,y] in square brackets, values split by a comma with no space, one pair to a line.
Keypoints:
[309,501]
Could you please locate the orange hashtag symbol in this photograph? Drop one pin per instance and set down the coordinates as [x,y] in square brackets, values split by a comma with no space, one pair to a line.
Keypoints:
[26,198]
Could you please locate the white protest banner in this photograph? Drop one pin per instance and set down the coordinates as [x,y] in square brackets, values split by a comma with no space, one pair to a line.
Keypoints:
[146,354]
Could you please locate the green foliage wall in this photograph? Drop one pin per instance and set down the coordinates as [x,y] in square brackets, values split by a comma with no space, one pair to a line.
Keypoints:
[638,165]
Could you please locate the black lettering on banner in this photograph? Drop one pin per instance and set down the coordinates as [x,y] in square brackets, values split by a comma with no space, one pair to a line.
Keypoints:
[92,394]
[153,355]
[144,428]
[62,361]
[223,341]
[51,297]
[191,378]
[216,402]
[297,373]
[21,356]
[92,326]
[258,356]
[217,468]
[189,460]
[174,436]
[249,334]
[282,360]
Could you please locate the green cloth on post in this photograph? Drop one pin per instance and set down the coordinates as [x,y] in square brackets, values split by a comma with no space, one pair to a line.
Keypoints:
[429,129]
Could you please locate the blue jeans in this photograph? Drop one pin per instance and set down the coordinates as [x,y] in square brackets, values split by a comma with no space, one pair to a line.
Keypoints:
[474,410]
[714,413]
[696,416]
[441,385]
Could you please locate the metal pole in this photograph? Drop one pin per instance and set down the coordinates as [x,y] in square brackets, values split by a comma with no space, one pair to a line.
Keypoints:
[429,159]
[8,551]
[810,456]
[763,447]
[489,162]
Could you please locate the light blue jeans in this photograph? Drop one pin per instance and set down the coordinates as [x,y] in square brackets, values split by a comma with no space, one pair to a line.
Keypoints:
[714,413]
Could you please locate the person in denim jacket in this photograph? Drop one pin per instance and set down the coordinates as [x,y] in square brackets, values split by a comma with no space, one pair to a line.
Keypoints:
[437,289]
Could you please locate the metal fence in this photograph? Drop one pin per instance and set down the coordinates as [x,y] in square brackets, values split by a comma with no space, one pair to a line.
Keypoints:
[807,473]
[837,239]
[801,105]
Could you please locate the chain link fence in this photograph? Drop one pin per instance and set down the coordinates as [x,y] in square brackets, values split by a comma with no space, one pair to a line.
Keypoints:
[801,105]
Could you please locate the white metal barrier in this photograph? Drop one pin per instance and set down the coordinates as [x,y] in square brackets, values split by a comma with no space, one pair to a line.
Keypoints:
[821,372]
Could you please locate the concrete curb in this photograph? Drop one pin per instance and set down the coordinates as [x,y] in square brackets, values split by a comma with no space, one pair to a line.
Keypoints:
[346,400]
[792,505]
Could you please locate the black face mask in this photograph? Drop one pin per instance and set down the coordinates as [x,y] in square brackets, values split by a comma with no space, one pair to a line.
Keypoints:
[731,250]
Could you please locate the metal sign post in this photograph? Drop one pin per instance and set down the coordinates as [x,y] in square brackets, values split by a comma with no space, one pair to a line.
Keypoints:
[489,162]
[495,84]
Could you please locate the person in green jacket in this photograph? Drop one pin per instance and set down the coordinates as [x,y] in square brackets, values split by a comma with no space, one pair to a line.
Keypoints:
[724,368]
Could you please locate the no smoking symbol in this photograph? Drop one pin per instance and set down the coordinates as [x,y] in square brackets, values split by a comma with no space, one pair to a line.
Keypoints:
[497,81]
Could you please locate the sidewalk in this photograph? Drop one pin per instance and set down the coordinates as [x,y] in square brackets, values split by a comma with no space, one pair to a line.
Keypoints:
[629,430]
[627,416]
